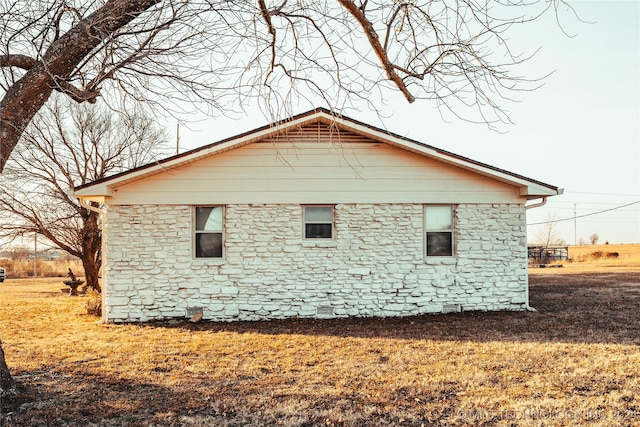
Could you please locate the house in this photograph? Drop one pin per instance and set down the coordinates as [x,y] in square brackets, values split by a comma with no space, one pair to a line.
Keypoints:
[317,216]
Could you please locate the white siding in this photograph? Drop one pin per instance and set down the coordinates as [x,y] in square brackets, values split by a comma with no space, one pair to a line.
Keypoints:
[314,165]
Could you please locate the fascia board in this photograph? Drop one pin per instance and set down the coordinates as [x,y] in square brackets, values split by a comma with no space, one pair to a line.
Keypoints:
[106,186]
[91,198]
[525,186]
[98,190]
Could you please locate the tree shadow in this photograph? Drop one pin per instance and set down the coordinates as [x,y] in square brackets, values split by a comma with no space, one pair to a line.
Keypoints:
[66,396]
[585,308]
[61,397]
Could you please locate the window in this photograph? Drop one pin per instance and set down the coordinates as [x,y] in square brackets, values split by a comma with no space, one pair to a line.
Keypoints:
[438,222]
[208,233]
[318,222]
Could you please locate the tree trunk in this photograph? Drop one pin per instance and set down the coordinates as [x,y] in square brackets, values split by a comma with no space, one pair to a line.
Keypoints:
[91,248]
[7,385]
[91,272]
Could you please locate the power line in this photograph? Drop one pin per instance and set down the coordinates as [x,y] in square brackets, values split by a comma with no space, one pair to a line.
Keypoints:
[582,203]
[570,208]
[585,215]
[599,194]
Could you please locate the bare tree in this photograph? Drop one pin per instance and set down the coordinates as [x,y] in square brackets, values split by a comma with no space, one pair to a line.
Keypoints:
[548,235]
[67,145]
[19,252]
[594,238]
[221,53]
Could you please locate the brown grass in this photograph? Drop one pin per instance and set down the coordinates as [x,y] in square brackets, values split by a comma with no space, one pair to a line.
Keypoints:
[24,268]
[574,362]
[597,258]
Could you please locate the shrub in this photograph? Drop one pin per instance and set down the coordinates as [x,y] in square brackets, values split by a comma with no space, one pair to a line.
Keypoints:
[94,302]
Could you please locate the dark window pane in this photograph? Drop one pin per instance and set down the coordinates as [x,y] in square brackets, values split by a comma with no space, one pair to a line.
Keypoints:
[439,243]
[209,245]
[317,231]
[209,218]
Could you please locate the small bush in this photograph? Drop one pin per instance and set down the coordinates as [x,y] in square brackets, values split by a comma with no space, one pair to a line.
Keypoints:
[94,302]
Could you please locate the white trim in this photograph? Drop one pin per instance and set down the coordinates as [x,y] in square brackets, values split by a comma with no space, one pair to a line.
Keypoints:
[425,230]
[195,232]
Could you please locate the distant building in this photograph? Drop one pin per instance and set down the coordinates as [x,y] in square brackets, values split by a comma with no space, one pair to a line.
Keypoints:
[545,254]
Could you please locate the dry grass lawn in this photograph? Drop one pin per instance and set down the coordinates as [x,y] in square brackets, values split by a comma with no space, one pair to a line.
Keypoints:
[574,362]
[594,258]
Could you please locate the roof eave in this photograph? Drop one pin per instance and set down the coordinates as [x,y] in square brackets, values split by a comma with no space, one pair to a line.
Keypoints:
[526,187]
[105,185]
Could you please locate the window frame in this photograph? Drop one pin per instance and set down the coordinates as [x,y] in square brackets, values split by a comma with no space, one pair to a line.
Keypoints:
[196,232]
[305,222]
[451,230]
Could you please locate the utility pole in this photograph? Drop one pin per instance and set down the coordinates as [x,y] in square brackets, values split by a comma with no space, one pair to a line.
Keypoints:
[575,226]
[177,138]
[35,255]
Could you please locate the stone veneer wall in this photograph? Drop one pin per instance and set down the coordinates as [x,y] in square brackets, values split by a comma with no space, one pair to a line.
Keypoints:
[374,267]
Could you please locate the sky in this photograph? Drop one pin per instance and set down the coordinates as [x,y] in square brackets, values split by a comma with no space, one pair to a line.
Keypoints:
[580,131]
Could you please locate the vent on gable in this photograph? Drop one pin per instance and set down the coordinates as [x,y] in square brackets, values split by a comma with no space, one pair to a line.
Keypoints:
[324,311]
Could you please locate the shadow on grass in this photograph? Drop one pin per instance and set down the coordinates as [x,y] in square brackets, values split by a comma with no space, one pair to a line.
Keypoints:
[78,398]
[66,396]
[585,308]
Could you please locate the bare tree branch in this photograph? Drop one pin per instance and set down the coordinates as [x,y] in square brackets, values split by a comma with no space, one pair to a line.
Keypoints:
[380,52]
[218,55]
[74,93]
[27,95]
[19,61]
